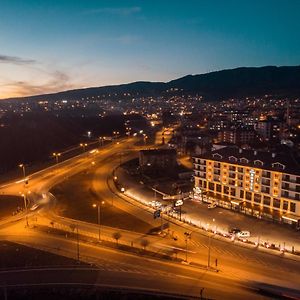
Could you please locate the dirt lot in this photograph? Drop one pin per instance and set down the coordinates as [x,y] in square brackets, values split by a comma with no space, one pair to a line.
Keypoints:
[9,205]
[75,200]
[19,256]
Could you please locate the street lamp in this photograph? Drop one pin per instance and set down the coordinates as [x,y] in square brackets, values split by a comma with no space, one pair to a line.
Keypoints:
[56,155]
[25,206]
[100,141]
[98,205]
[22,166]
[209,246]
[83,145]
[187,236]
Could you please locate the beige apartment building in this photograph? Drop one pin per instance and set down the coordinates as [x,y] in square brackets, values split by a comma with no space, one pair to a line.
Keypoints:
[261,184]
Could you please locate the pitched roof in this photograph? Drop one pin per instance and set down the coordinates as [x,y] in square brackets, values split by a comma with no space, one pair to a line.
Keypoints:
[271,161]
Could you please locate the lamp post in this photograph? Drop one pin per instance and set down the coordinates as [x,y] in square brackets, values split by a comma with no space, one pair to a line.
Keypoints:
[99,217]
[100,141]
[83,145]
[22,166]
[25,206]
[209,246]
[56,155]
[187,236]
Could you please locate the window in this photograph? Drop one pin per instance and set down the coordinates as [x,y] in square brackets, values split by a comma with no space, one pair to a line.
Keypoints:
[244,160]
[257,198]
[285,186]
[217,164]
[266,181]
[232,158]
[286,177]
[278,165]
[217,155]
[285,205]
[266,174]
[267,200]
[276,203]
[231,182]
[258,163]
[265,190]
[218,188]
[226,190]
[248,196]
[293,207]
[240,170]
[242,194]
[232,192]
[211,186]
[285,194]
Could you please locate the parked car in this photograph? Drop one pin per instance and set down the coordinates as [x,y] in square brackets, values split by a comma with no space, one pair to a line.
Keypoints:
[234,230]
[212,205]
[155,204]
[243,234]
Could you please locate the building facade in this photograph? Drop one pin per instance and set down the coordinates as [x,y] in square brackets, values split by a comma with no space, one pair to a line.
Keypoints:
[236,136]
[157,159]
[261,184]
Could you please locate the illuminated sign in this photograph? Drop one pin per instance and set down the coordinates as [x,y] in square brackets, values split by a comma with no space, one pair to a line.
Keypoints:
[252,173]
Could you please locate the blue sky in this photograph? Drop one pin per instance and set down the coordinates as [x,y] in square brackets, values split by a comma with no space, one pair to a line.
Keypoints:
[48,46]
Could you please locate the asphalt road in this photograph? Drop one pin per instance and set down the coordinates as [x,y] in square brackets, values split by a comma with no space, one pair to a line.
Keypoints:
[238,266]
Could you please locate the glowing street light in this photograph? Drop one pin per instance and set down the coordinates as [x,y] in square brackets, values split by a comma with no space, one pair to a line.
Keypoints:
[25,206]
[83,145]
[56,155]
[22,166]
[98,205]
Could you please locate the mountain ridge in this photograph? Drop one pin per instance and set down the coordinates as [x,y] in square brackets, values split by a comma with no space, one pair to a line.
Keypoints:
[213,86]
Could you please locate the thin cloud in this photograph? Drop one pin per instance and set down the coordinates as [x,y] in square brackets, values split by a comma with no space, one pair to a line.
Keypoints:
[59,82]
[6,59]
[123,11]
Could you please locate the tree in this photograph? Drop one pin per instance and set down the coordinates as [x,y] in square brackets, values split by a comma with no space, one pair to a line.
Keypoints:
[117,235]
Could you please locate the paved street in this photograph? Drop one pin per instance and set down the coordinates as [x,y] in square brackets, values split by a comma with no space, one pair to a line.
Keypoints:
[234,262]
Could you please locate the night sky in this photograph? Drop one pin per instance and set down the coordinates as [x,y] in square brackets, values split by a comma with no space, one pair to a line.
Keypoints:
[48,46]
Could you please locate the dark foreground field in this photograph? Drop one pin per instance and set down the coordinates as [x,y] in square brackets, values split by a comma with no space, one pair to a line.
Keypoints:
[75,199]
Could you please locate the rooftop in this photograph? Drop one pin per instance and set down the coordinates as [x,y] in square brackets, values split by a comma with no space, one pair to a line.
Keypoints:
[158,152]
[283,162]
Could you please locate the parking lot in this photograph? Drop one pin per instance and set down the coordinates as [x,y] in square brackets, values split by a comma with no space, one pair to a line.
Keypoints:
[219,219]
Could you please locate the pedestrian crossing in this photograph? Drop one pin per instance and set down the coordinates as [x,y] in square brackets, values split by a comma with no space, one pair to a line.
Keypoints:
[250,258]
[109,266]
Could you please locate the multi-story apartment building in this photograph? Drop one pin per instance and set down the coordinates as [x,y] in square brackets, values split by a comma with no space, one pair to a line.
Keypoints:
[236,136]
[262,184]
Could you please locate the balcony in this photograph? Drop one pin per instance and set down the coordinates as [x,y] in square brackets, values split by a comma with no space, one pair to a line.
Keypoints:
[290,180]
[266,182]
[266,174]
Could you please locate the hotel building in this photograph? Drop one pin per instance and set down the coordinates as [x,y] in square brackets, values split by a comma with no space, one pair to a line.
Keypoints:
[261,184]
